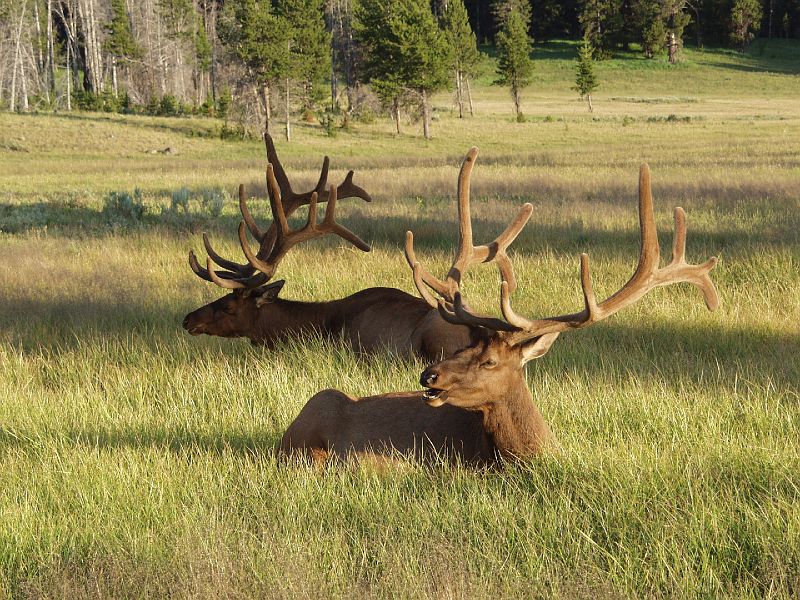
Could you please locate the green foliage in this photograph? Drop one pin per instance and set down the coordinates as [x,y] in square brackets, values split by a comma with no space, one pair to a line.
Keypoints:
[602,23]
[402,47]
[310,44]
[214,199]
[461,39]
[258,37]
[329,119]
[122,208]
[514,64]
[120,41]
[169,106]
[180,199]
[585,79]
[745,21]
[224,102]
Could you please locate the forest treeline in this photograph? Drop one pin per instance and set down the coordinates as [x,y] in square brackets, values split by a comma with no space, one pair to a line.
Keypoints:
[249,61]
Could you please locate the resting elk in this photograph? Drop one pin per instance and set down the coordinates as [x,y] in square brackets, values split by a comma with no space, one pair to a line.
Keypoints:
[373,319]
[476,406]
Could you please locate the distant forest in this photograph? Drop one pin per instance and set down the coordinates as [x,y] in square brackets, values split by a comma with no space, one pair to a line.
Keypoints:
[323,60]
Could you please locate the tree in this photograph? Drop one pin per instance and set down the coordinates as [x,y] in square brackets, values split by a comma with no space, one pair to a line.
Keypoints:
[463,47]
[745,21]
[514,64]
[403,50]
[602,21]
[119,43]
[260,39]
[309,49]
[585,80]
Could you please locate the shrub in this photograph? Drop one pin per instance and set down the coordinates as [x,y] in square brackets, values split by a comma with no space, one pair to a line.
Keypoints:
[180,198]
[121,208]
[214,200]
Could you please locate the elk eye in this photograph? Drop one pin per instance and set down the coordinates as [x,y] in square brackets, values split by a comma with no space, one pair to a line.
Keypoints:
[488,364]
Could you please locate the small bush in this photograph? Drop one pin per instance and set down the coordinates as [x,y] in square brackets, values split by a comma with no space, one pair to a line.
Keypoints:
[214,200]
[180,198]
[521,118]
[169,106]
[121,208]
[228,132]
[329,122]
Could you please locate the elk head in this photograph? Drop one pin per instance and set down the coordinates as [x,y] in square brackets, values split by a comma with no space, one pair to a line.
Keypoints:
[239,312]
[489,375]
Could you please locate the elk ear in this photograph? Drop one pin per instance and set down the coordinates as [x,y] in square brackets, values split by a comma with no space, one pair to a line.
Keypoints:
[538,347]
[268,293]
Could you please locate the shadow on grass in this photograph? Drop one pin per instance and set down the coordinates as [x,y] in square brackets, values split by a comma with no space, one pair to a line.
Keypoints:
[178,440]
[434,229]
[179,125]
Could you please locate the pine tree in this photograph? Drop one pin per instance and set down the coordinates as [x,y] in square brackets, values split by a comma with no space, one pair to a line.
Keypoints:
[309,49]
[260,39]
[120,43]
[514,64]
[403,50]
[463,47]
[745,21]
[585,80]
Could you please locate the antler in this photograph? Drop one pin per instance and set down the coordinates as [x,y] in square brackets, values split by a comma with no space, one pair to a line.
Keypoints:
[286,238]
[646,277]
[236,275]
[467,254]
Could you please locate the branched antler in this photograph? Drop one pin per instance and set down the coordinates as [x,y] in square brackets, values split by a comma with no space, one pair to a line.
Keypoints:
[467,253]
[284,202]
[647,276]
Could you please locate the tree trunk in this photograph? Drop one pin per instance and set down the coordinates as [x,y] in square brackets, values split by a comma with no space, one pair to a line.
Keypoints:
[265,102]
[69,79]
[396,114]
[51,62]
[459,94]
[589,100]
[769,27]
[426,117]
[288,114]
[516,98]
[17,59]
[469,98]
[40,62]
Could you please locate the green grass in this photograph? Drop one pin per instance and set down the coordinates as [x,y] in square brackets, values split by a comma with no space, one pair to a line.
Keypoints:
[138,461]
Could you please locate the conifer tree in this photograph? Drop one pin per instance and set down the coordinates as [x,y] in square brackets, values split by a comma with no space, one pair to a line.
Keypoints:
[260,39]
[514,65]
[120,43]
[745,21]
[463,47]
[308,49]
[403,50]
[585,80]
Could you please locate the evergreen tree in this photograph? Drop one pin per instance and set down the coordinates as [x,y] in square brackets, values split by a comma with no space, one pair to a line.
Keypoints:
[745,22]
[120,43]
[309,50]
[514,65]
[602,21]
[260,39]
[463,48]
[403,50]
[585,80]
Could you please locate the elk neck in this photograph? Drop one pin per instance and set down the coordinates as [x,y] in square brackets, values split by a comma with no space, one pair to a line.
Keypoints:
[287,317]
[514,422]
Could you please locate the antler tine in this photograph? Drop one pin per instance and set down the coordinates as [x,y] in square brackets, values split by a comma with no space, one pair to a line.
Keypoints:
[467,254]
[646,277]
[280,175]
[348,189]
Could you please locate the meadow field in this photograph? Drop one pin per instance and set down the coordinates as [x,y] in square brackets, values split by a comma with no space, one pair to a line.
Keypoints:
[137,461]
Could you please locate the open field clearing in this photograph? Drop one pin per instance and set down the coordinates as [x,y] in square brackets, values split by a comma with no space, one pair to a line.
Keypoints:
[137,461]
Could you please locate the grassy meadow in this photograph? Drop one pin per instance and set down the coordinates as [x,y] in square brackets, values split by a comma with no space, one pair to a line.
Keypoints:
[137,461]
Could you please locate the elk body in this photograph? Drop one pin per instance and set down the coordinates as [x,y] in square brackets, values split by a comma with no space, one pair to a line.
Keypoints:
[371,320]
[477,406]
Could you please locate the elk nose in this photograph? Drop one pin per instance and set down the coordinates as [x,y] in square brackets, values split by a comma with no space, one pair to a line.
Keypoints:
[186,322]
[428,377]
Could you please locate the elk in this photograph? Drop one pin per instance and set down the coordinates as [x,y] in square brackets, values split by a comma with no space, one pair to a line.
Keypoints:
[476,406]
[373,319]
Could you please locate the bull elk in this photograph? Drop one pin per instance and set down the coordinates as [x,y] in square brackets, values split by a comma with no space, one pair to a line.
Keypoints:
[476,406]
[373,319]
